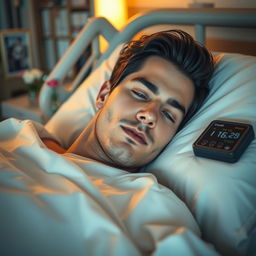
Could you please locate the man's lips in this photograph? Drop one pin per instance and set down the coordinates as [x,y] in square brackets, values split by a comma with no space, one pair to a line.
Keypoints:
[135,135]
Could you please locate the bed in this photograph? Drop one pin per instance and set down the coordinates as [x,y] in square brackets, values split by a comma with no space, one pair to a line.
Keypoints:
[177,205]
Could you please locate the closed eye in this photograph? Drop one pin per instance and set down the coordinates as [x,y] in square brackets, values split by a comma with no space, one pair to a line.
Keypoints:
[140,95]
[168,115]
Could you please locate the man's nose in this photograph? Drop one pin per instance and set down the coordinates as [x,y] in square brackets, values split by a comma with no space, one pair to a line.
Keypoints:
[147,117]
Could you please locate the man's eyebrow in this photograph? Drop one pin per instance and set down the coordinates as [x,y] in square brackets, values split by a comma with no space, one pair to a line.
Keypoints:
[174,103]
[152,87]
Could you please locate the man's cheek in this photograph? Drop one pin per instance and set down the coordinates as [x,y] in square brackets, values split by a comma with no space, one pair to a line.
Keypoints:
[155,151]
[109,115]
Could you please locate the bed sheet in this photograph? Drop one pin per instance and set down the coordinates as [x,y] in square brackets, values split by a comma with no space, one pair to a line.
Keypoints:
[55,204]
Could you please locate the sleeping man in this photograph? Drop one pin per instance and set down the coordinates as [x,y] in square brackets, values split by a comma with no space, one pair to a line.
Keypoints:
[87,200]
[157,84]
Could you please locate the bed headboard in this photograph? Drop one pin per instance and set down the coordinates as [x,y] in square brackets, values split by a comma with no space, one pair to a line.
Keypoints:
[199,18]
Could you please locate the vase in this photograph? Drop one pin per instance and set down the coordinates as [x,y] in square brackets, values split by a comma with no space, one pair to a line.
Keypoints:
[33,98]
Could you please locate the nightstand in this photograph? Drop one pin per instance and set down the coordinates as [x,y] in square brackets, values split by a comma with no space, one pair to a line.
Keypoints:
[19,107]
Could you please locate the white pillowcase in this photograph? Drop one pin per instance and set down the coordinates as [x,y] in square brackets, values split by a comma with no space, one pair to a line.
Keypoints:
[221,196]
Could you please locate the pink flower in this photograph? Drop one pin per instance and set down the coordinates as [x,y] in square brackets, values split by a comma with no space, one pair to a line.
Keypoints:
[21,74]
[52,83]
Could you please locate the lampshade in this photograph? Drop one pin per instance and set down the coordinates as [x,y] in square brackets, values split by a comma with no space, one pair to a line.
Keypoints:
[114,10]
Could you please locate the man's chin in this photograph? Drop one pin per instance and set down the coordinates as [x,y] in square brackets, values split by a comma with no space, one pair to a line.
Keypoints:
[122,156]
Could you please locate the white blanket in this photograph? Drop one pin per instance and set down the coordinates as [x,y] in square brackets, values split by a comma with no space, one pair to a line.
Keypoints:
[55,204]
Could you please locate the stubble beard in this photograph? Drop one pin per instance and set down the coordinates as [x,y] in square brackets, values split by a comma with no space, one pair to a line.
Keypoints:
[119,155]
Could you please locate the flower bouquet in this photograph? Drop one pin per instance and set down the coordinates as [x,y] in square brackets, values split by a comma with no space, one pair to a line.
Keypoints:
[34,79]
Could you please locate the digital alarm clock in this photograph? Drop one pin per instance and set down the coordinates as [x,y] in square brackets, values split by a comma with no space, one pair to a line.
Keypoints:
[224,140]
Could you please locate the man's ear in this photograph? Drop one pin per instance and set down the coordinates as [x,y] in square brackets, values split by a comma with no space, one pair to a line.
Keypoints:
[103,94]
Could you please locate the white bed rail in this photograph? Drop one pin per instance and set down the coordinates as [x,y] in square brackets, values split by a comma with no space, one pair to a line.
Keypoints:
[199,18]
[88,35]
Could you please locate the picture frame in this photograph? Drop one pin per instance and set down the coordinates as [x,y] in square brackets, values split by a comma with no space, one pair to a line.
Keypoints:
[16,51]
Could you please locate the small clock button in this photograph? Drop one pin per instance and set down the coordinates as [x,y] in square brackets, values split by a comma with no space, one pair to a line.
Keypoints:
[212,143]
[227,147]
[204,142]
[220,145]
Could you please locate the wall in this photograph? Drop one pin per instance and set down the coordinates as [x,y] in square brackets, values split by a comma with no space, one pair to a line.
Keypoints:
[218,39]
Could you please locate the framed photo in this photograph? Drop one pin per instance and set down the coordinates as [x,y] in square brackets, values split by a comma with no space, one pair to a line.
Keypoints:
[16,51]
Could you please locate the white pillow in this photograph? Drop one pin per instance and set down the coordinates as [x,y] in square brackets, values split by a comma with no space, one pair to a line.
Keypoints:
[222,196]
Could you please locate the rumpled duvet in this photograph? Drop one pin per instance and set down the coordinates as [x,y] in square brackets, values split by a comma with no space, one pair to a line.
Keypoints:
[52,204]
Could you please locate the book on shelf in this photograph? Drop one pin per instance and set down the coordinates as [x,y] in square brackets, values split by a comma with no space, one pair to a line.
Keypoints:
[46,28]
[61,23]
[49,54]
[78,21]
[79,3]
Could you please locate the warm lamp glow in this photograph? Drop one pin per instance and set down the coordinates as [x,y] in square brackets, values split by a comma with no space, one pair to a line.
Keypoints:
[114,10]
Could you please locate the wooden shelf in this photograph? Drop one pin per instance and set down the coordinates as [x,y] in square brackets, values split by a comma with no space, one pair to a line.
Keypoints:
[57,24]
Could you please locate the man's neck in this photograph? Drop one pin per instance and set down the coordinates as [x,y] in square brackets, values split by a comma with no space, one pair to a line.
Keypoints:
[88,145]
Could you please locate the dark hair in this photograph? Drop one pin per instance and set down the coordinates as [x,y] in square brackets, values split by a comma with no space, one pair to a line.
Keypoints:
[176,46]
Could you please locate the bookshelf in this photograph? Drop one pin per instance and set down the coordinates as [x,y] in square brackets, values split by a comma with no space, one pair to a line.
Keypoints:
[58,23]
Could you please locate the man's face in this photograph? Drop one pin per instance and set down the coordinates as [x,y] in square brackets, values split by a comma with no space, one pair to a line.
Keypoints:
[141,115]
